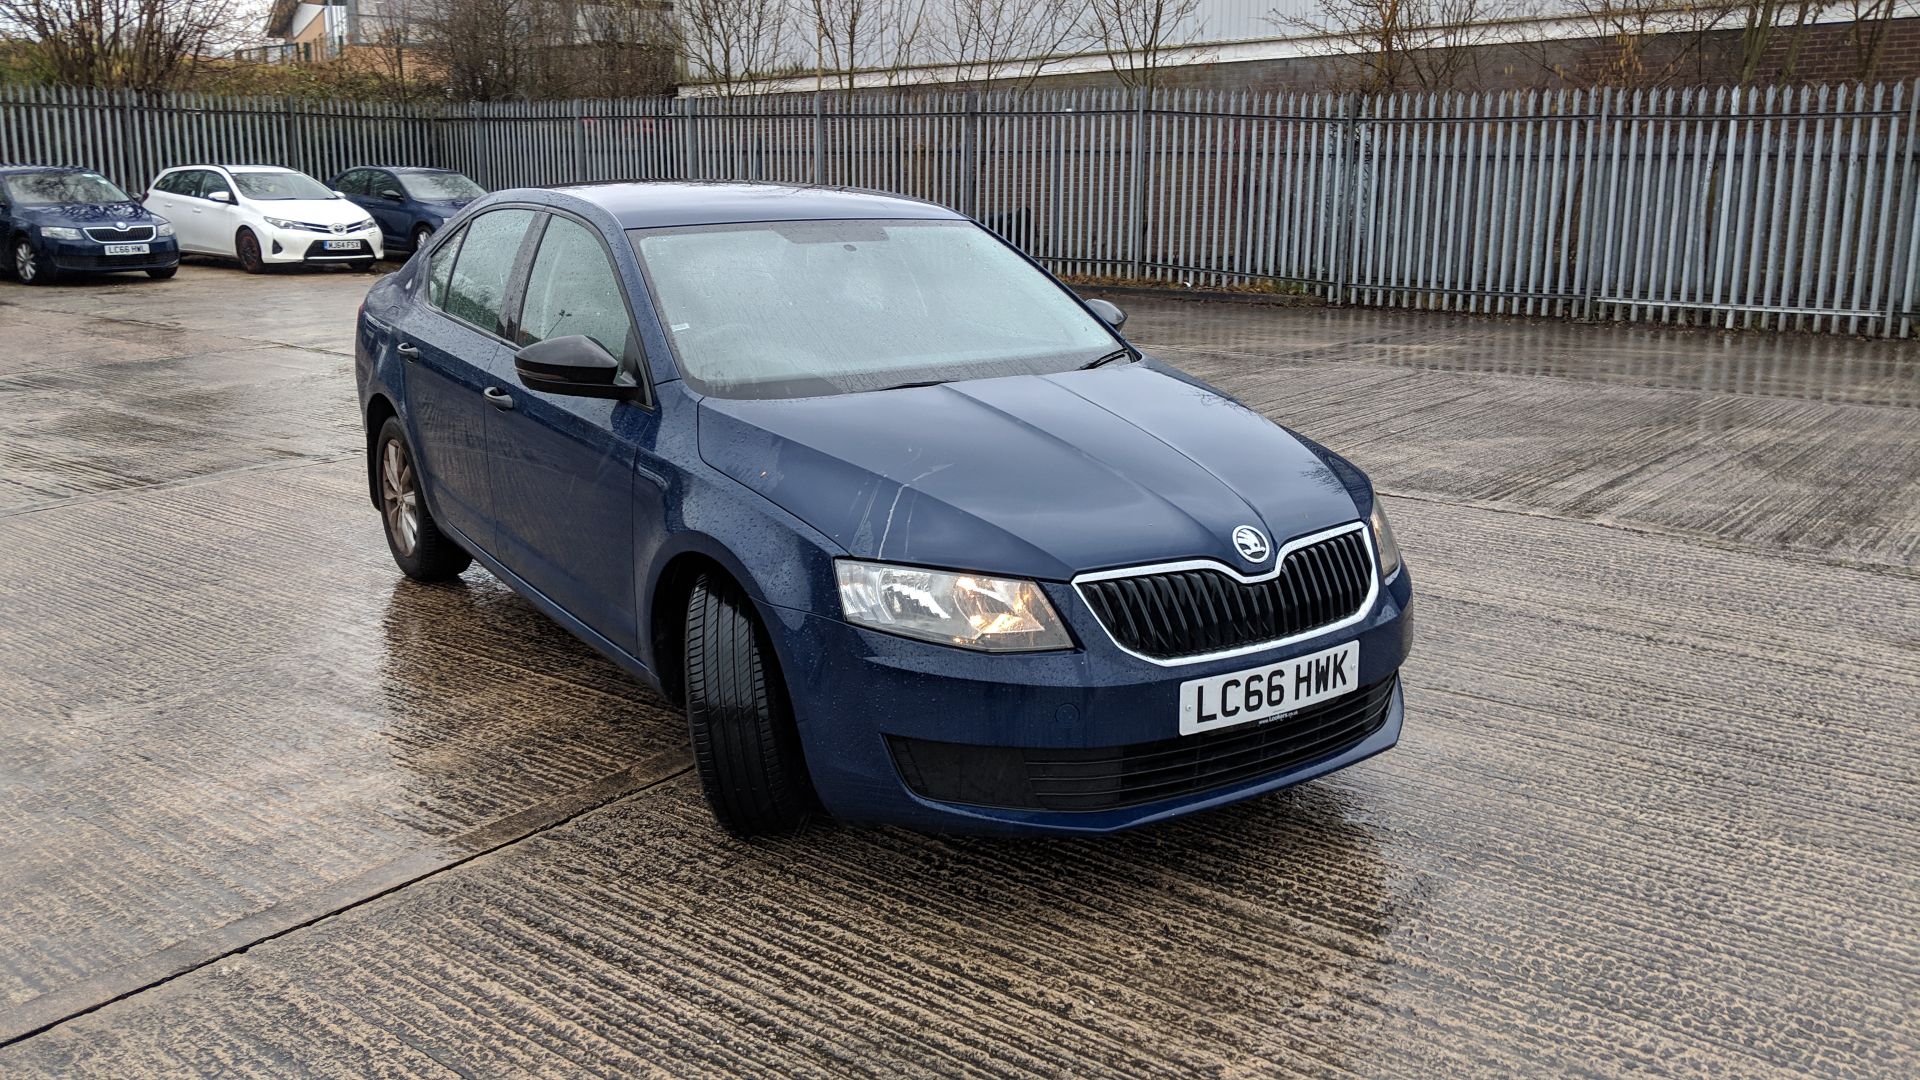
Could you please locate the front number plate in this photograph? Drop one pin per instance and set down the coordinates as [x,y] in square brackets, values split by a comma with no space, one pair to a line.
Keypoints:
[343,245]
[126,249]
[1269,692]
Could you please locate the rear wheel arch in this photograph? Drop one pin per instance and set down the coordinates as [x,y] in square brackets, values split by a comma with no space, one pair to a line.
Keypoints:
[378,410]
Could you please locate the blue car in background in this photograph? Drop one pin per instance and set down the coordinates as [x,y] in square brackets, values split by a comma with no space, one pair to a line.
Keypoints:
[72,221]
[906,527]
[410,204]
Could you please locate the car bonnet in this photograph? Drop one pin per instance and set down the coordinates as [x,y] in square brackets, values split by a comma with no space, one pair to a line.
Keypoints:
[1039,476]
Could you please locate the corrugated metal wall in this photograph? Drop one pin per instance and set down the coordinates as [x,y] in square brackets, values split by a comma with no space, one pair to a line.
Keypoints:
[1761,207]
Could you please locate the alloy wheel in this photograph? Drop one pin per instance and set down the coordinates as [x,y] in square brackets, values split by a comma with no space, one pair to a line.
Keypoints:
[23,261]
[399,496]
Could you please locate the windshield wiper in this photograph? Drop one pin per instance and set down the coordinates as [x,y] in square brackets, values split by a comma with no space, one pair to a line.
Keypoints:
[1117,354]
[911,385]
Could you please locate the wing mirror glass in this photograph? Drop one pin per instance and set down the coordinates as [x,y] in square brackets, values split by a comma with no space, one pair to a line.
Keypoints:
[573,365]
[220,196]
[1109,313]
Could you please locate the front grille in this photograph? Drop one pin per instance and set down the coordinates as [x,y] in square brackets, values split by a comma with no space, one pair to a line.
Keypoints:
[134,234]
[1111,777]
[1182,613]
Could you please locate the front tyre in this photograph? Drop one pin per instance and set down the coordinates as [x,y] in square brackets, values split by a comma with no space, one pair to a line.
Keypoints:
[421,234]
[420,549]
[246,248]
[745,744]
[30,267]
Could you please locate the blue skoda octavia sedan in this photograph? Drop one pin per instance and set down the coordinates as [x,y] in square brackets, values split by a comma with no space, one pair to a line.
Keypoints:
[909,530]
[60,221]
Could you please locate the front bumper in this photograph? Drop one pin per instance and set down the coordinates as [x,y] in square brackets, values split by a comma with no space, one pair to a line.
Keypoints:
[860,696]
[89,257]
[289,246]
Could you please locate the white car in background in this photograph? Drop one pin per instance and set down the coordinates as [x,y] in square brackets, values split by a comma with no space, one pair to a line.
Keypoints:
[263,216]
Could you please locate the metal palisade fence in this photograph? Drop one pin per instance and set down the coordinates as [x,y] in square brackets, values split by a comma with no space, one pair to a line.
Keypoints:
[1762,207]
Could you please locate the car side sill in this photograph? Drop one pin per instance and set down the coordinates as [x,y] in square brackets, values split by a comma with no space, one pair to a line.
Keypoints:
[624,660]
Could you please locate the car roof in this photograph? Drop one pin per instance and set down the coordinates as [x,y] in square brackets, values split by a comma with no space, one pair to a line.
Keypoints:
[656,203]
[11,170]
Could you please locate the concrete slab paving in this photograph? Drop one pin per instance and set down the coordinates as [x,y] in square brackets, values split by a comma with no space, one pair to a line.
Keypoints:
[265,808]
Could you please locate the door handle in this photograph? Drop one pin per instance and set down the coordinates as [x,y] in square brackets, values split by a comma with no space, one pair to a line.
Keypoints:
[497,397]
[407,349]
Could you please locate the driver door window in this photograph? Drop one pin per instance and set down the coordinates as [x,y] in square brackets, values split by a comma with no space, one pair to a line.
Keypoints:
[573,289]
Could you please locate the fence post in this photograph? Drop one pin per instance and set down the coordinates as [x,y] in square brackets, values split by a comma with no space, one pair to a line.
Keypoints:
[970,153]
[288,136]
[1347,199]
[1596,128]
[819,137]
[1904,299]
[1136,189]
[579,143]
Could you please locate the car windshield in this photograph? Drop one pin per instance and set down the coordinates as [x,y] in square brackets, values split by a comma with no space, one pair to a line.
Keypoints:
[805,308]
[441,187]
[60,189]
[280,186]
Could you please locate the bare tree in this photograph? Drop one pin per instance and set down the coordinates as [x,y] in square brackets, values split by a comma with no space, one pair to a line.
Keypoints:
[137,44]
[1765,23]
[1137,35]
[490,50]
[1401,45]
[1872,20]
[729,43]
[1655,42]
[882,38]
[985,39]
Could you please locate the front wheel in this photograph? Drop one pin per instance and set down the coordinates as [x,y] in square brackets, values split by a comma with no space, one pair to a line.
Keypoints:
[420,549]
[30,267]
[421,235]
[745,744]
[246,248]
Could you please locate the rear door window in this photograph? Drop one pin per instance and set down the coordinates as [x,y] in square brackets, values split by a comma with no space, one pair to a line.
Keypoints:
[574,289]
[440,269]
[354,182]
[477,290]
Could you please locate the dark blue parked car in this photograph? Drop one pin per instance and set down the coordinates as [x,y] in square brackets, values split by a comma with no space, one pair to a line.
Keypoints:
[409,204]
[907,528]
[71,221]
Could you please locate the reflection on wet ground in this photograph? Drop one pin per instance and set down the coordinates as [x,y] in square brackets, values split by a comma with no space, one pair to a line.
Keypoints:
[1814,367]
[1652,813]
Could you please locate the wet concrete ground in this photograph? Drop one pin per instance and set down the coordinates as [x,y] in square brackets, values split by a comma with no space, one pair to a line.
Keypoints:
[266,809]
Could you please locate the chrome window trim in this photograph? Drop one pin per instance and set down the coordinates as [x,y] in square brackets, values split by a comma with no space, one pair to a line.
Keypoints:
[1279,560]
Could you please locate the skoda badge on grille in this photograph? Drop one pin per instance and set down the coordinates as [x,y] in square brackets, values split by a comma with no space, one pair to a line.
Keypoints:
[120,226]
[1251,543]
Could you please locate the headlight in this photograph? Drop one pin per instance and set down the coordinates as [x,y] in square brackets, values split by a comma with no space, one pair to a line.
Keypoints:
[283,223]
[972,611]
[59,232]
[1383,538]
[365,226]
[163,228]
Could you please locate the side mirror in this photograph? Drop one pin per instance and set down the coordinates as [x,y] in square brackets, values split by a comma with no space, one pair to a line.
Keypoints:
[220,196]
[392,196]
[1108,313]
[339,194]
[573,365]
